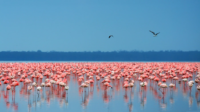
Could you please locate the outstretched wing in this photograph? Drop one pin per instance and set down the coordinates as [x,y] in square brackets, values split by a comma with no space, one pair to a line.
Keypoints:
[152,32]
[157,33]
[110,36]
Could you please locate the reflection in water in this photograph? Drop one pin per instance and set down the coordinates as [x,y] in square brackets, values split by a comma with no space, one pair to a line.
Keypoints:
[41,83]
[171,97]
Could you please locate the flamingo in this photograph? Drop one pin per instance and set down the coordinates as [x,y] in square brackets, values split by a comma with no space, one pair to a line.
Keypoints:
[143,84]
[66,87]
[171,85]
[155,34]
[198,87]
[110,36]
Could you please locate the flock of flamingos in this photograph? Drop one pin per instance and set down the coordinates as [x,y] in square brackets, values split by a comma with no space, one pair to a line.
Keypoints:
[53,79]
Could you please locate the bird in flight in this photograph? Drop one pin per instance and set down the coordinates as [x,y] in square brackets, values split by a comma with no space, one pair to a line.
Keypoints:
[155,34]
[110,36]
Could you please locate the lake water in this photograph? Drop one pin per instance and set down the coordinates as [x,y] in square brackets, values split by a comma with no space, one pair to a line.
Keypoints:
[98,98]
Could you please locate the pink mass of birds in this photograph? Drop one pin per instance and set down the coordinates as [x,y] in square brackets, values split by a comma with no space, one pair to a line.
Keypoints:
[109,75]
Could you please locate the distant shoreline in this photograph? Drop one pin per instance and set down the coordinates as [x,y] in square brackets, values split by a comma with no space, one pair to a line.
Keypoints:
[98,56]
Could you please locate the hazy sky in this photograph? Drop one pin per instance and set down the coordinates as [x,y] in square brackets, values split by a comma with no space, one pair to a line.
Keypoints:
[84,25]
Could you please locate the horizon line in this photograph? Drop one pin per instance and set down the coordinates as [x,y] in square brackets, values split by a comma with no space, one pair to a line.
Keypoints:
[111,51]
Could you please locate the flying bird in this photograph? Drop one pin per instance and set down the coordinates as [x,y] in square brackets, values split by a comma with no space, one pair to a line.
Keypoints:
[155,34]
[110,36]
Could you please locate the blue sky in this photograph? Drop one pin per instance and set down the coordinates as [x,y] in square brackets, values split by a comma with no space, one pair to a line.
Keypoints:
[84,25]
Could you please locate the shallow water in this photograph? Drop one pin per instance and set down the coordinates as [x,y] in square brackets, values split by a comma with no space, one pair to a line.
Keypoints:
[98,98]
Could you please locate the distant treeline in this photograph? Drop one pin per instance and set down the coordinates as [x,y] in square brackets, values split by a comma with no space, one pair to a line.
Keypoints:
[100,56]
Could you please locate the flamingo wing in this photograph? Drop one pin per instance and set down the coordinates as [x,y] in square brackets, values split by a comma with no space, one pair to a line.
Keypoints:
[157,33]
[152,32]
